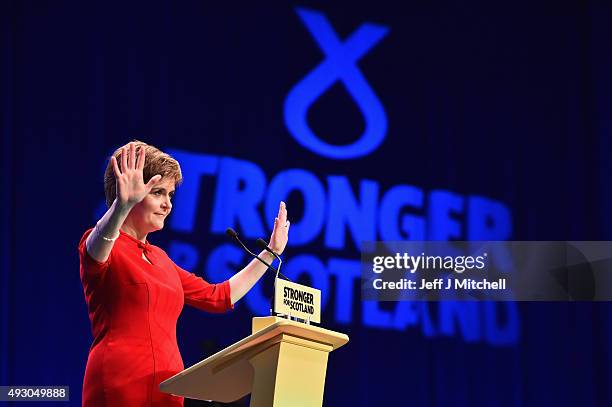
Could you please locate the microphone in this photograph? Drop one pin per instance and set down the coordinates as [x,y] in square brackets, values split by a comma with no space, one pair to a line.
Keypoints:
[263,245]
[231,233]
[234,235]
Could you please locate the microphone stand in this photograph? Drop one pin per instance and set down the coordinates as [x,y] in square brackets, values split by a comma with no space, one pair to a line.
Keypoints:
[264,245]
[234,235]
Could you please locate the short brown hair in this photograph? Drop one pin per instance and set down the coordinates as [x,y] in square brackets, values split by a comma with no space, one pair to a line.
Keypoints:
[156,162]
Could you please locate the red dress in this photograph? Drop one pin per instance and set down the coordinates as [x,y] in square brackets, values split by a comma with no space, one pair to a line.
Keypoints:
[133,308]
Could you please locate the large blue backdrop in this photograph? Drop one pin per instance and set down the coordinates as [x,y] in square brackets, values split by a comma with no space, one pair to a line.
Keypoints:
[382,121]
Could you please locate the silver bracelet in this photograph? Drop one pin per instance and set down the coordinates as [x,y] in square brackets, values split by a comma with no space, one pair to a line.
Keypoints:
[108,239]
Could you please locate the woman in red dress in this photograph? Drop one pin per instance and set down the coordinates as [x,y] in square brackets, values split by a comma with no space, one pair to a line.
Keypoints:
[135,292]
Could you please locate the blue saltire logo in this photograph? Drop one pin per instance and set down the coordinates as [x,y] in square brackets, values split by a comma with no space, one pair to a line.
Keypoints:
[340,63]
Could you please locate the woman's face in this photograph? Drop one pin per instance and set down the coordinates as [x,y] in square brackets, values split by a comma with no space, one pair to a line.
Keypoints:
[150,213]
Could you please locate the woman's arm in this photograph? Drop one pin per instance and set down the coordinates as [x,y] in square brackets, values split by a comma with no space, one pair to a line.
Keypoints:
[245,279]
[108,226]
[131,189]
[203,295]
[241,282]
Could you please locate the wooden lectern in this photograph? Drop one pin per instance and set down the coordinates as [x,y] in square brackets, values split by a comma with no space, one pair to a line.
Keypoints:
[282,363]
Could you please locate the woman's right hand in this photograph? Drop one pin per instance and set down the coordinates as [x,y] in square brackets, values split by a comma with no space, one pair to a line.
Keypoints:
[130,185]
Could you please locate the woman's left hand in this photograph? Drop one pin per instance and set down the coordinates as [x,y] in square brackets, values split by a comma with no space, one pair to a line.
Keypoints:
[280,234]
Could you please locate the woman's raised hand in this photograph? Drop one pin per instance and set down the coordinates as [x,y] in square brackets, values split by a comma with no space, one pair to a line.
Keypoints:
[280,234]
[131,188]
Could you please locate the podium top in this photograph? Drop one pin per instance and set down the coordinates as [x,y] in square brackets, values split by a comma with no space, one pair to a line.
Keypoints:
[227,375]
